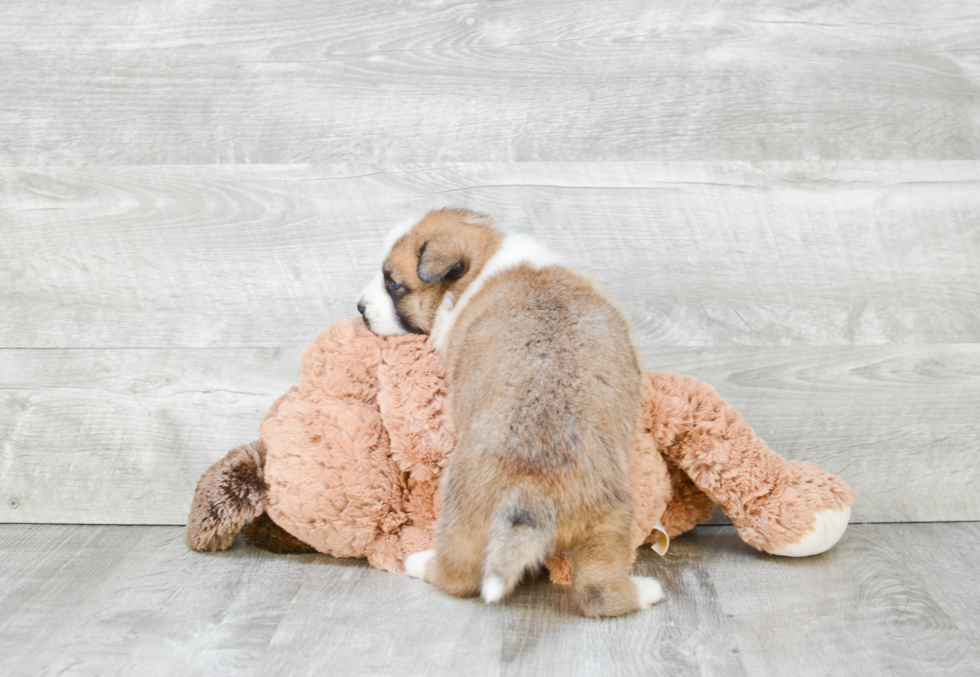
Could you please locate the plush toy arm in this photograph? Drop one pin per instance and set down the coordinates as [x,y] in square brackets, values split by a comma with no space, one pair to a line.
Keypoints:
[778,506]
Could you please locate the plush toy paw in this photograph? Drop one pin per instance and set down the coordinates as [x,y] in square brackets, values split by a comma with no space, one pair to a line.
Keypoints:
[828,527]
[415,564]
[649,589]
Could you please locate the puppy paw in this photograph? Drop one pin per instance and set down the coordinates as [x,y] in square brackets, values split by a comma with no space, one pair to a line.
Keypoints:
[649,589]
[828,527]
[415,564]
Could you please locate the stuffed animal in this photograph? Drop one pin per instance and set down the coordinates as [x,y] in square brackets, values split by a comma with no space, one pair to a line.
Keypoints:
[348,463]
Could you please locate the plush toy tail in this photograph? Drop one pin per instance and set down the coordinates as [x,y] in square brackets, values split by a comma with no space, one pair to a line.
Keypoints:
[521,535]
[230,494]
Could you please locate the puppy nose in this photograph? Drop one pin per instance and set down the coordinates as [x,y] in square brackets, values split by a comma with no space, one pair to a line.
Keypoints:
[360,307]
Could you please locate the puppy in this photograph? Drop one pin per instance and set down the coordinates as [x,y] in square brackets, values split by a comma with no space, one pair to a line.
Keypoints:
[545,387]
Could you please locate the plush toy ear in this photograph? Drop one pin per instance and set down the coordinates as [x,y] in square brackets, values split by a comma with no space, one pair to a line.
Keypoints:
[230,494]
[441,259]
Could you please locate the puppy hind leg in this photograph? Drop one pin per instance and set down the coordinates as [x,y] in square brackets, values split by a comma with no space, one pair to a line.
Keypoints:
[600,573]
[454,565]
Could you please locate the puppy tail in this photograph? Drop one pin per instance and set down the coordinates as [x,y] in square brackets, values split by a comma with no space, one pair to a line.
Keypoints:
[521,535]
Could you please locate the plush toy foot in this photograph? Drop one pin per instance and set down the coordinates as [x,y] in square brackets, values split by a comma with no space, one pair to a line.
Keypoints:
[650,590]
[829,525]
[266,535]
[415,564]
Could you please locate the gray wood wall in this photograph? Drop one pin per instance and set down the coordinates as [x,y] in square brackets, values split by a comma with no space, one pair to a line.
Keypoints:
[786,199]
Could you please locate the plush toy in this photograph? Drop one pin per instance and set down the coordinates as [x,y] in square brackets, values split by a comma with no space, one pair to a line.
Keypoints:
[348,463]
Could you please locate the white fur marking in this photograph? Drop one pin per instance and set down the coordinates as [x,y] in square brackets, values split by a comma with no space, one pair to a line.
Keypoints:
[379,311]
[649,589]
[415,564]
[828,526]
[517,248]
[492,590]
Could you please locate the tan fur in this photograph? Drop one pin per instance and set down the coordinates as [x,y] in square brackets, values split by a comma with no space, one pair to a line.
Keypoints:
[545,390]
[354,453]
[544,382]
[445,238]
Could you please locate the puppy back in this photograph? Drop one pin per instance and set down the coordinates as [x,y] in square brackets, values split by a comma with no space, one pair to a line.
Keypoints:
[545,382]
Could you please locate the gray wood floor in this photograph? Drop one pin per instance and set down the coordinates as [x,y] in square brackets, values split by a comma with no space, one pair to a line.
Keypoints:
[784,196]
[889,600]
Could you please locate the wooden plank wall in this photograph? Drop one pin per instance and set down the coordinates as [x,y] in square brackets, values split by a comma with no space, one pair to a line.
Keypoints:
[786,199]
[147,82]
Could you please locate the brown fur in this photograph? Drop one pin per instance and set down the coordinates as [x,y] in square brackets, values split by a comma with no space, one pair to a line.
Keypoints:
[265,534]
[354,453]
[448,247]
[351,458]
[545,391]
[231,493]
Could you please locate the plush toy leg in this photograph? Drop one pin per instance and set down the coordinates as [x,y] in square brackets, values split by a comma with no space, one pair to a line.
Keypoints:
[778,506]
[230,494]
[266,535]
[454,564]
[687,508]
[458,577]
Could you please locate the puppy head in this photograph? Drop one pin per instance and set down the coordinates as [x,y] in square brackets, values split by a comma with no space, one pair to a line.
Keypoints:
[426,262]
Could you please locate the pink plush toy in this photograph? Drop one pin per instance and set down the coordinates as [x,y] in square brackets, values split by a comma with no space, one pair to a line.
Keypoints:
[348,463]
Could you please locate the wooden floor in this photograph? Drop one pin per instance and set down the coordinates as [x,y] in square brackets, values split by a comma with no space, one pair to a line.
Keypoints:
[889,600]
[784,196]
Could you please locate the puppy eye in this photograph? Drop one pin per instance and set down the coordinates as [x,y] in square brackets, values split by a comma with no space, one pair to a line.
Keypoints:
[393,286]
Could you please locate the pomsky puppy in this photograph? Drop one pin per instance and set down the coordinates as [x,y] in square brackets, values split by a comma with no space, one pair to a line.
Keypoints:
[545,386]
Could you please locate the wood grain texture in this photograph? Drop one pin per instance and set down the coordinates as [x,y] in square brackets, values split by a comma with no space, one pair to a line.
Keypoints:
[700,254]
[866,607]
[79,600]
[784,196]
[899,423]
[122,436]
[954,584]
[97,82]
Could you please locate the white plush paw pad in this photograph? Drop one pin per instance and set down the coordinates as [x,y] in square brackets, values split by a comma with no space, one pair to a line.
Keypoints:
[828,526]
[492,590]
[415,564]
[650,590]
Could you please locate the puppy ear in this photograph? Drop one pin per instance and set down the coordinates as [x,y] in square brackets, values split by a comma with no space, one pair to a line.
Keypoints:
[441,259]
